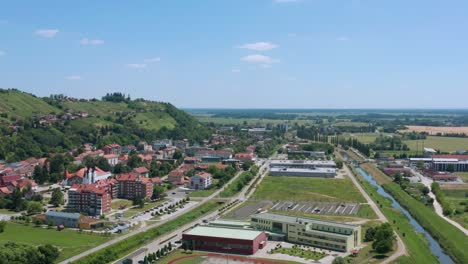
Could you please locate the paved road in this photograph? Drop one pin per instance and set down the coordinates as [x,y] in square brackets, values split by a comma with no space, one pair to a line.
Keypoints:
[177,234]
[146,228]
[438,208]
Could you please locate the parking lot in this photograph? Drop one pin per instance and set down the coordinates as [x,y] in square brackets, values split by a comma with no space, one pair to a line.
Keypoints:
[317,207]
[248,209]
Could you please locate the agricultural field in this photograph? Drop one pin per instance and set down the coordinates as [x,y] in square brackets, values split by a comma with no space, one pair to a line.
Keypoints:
[250,121]
[69,242]
[458,199]
[444,144]
[307,189]
[433,130]
[350,123]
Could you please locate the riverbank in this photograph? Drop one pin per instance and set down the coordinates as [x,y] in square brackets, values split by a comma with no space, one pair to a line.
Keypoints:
[416,245]
[452,240]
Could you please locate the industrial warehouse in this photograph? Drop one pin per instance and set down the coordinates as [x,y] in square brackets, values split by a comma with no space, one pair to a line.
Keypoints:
[219,239]
[303,168]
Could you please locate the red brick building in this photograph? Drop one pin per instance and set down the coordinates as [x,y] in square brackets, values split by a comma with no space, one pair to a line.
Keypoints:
[90,198]
[131,185]
[233,241]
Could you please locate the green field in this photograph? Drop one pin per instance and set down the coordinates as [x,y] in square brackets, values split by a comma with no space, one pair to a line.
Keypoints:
[307,189]
[444,144]
[202,193]
[117,203]
[250,121]
[350,123]
[154,120]
[459,201]
[70,242]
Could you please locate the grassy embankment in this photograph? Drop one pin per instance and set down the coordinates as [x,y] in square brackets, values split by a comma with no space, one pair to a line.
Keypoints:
[126,246]
[449,237]
[416,244]
[458,200]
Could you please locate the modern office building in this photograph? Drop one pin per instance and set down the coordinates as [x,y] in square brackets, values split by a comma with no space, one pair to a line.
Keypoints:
[311,232]
[227,240]
[443,162]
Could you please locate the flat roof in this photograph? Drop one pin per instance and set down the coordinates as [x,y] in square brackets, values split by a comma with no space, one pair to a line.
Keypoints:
[305,162]
[230,223]
[224,232]
[304,170]
[295,220]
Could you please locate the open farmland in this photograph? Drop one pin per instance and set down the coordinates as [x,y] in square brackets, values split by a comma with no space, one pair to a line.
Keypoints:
[444,144]
[433,130]
[307,189]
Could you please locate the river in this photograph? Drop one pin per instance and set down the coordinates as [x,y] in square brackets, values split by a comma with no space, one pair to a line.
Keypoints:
[433,244]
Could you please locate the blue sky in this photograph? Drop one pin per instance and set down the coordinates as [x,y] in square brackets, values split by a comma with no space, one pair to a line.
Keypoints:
[241,53]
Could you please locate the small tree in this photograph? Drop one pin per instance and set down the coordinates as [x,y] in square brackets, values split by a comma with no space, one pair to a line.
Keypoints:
[57,197]
[2,226]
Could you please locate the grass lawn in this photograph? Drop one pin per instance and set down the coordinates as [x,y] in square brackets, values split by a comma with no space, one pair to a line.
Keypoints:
[117,203]
[365,211]
[300,252]
[444,144]
[133,211]
[307,189]
[377,174]
[8,212]
[463,176]
[154,120]
[202,193]
[458,200]
[69,242]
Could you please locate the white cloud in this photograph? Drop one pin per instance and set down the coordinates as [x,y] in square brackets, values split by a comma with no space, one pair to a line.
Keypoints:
[285,1]
[157,59]
[235,70]
[87,41]
[136,65]
[46,33]
[257,58]
[259,46]
[2,52]
[343,38]
[73,77]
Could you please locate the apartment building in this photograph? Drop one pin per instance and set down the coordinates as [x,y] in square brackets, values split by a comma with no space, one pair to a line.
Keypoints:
[89,198]
[131,185]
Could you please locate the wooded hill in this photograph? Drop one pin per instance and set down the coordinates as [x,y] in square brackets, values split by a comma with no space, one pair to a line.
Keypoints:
[33,126]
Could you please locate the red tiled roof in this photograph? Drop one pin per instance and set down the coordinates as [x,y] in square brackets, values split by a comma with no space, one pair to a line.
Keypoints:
[89,188]
[176,173]
[156,180]
[10,178]
[131,176]
[82,171]
[4,190]
[140,170]
[205,175]
[111,156]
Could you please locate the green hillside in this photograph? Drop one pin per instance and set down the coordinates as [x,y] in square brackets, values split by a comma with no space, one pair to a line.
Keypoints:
[115,119]
[16,104]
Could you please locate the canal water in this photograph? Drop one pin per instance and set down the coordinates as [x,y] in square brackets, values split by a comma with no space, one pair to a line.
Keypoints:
[433,244]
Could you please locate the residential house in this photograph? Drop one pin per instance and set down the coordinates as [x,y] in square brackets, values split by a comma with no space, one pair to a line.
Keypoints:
[176,176]
[143,171]
[200,181]
[112,149]
[112,159]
